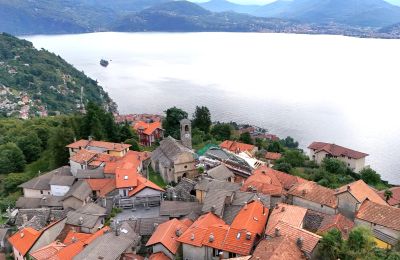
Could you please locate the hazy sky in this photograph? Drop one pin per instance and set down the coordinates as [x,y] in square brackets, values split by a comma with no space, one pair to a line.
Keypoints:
[248,2]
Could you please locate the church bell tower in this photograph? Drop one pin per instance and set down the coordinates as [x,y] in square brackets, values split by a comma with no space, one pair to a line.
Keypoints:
[186,133]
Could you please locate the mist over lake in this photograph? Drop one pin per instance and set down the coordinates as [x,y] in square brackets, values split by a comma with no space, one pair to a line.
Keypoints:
[315,88]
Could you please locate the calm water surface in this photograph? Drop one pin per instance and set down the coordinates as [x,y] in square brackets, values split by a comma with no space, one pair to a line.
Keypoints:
[314,88]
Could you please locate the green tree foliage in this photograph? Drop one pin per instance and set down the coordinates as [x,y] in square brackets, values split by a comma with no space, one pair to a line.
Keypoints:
[360,244]
[245,138]
[295,158]
[12,181]
[283,167]
[289,143]
[333,165]
[31,146]
[275,147]
[221,131]
[202,119]
[171,123]
[134,144]
[388,195]
[60,137]
[92,122]
[331,245]
[12,158]
[198,136]
[370,176]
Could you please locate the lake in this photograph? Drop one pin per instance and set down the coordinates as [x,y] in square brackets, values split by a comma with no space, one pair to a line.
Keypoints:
[312,87]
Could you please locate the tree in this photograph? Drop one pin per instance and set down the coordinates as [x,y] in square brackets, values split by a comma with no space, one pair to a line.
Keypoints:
[12,181]
[294,157]
[275,147]
[331,245]
[289,143]
[60,137]
[221,131]
[245,138]
[31,146]
[360,244]
[198,136]
[370,176]
[126,132]
[111,129]
[283,167]
[91,125]
[134,144]
[12,158]
[171,123]
[202,119]
[388,195]
[333,165]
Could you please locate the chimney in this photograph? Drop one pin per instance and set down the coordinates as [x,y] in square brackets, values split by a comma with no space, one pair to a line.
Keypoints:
[277,232]
[192,237]
[277,206]
[283,209]
[348,187]
[74,139]
[245,206]
[90,138]
[248,235]
[264,172]
[299,242]
[22,234]
[178,232]
[80,221]
[73,239]
[304,192]
[24,218]
[211,238]
[213,208]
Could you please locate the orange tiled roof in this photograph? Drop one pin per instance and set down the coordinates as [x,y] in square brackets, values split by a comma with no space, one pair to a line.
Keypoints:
[338,221]
[313,192]
[287,180]
[194,235]
[252,217]
[73,237]
[24,239]
[83,156]
[278,248]
[70,251]
[309,240]
[383,215]
[143,183]
[159,256]
[236,147]
[126,176]
[96,235]
[134,158]
[272,156]
[336,150]
[101,144]
[263,182]
[395,199]
[104,186]
[166,234]
[147,128]
[48,252]
[290,214]
[360,190]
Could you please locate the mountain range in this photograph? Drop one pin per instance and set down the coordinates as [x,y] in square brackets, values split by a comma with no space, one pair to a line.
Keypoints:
[351,17]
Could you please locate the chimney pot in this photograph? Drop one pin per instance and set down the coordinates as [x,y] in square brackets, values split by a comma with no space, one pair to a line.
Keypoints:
[211,238]
[248,236]
[277,232]
[299,242]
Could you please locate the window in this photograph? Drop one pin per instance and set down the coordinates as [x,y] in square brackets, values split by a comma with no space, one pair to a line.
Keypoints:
[216,252]
[185,166]
[41,192]
[322,206]
[232,255]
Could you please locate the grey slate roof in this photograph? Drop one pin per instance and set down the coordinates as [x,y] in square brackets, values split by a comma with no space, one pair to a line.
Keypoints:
[313,220]
[89,213]
[207,184]
[42,182]
[62,180]
[3,233]
[182,190]
[176,209]
[34,203]
[80,190]
[97,173]
[36,218]
[230,213]
[215,199]
[110,246]
[168,151]
[51,201]
[221,172]
[146,226]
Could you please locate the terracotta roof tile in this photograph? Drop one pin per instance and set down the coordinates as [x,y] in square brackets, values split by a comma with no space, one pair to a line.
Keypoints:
[289,214]
[83,156]
[236,147]
[101,144]
[147,128]
[383,215]
[24,239]
[48,252]
[360,190]
[395,200]
[272,156]
[278,248]
[143,183]
[336,150]
[159,256]
[252,217]
[166,234]
[263,182]
[338,221]
[194,235]
[287,180]
[308,240]
[104,186]
[73,237]
[313,192]
[70,251]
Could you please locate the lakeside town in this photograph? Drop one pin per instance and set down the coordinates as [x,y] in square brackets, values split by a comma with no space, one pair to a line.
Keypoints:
[184,198]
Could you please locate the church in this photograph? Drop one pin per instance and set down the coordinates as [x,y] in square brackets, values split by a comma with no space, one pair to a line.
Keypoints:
[175,159]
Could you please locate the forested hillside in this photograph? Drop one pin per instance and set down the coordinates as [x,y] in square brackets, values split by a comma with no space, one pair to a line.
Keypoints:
[37,82]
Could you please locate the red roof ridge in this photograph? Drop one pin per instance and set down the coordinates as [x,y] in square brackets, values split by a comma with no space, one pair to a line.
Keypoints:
[336,150]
